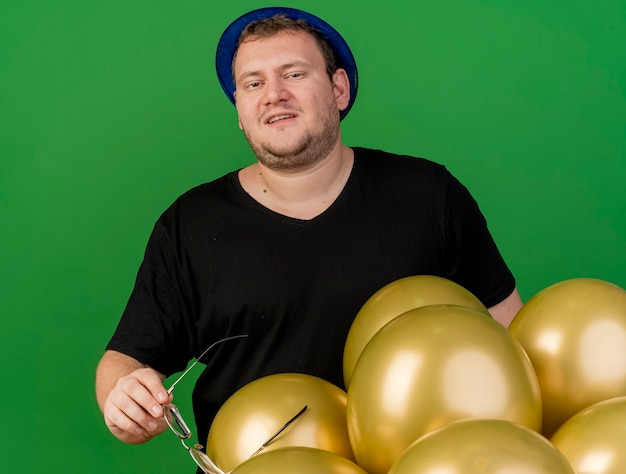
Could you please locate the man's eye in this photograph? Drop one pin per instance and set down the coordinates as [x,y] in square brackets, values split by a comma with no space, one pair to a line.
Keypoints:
[253,85]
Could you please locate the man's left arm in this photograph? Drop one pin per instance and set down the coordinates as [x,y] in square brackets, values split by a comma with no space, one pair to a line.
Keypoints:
[505,310]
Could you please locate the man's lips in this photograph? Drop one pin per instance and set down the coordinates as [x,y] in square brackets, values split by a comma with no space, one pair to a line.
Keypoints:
[278,117]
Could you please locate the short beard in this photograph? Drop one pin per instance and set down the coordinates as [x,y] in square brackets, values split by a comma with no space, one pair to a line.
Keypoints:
[309,150]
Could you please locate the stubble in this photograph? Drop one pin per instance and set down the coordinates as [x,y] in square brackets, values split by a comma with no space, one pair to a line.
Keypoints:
[310,148]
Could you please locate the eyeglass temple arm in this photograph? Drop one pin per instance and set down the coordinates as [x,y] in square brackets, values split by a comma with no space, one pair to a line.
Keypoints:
[284,427]
[171,389]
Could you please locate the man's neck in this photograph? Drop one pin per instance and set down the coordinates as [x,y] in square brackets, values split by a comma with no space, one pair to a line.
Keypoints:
[301,194]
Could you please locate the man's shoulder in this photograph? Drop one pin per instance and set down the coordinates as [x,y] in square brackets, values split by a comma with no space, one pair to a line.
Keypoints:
[224,187]
[203,198]
[380,161]
[209,188]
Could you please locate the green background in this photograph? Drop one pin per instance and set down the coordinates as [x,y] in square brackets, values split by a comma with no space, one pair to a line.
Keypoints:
[111,109]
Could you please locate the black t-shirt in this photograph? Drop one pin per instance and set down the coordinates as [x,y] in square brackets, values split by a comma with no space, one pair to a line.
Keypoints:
[219,264]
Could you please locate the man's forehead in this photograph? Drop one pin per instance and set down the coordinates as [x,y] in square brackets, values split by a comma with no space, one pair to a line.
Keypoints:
[284,47]
[269,35]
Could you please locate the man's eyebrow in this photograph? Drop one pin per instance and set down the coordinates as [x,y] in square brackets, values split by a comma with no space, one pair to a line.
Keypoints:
[246,74]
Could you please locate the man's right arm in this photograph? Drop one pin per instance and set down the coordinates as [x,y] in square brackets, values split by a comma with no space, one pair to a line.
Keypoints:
[130,396]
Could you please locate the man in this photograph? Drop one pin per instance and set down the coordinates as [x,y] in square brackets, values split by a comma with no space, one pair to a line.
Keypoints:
[288,249]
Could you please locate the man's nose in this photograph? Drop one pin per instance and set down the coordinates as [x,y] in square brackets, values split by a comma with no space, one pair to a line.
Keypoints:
[275,91]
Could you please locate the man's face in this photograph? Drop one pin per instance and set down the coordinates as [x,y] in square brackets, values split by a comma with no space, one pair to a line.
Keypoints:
[288,107]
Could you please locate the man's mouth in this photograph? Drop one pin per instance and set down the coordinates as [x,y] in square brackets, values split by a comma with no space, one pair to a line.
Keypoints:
[278,118]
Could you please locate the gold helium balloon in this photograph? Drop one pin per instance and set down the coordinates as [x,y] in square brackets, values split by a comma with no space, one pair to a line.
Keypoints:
[482,447]
[594,440]
[429,367]
[574,333]
[394,299]
[300,460]
[259,409]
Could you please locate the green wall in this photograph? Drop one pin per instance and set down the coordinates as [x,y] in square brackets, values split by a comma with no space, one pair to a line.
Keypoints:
[111,109]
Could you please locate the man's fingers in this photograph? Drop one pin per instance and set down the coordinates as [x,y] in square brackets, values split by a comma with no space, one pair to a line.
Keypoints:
[133,391]
[134,406]
[119,422]
[153,383]
[124,412]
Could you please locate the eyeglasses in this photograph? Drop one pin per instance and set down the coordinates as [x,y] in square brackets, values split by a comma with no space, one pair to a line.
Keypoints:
[176,423]
[178,426]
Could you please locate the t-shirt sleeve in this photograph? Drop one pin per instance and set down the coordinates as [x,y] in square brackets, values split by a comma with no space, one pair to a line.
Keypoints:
[154,327]
[472,256]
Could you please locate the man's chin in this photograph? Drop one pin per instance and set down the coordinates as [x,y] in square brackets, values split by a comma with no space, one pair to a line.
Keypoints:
[285,157]
[285,163]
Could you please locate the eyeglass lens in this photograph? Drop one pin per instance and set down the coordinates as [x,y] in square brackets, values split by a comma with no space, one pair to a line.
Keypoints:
[203,461]
[175,421]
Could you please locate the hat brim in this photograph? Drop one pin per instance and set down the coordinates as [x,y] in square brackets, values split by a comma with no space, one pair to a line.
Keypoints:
[227,46]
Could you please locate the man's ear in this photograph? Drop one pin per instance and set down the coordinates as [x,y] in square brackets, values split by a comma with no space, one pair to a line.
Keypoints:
[341,86]
[238,119]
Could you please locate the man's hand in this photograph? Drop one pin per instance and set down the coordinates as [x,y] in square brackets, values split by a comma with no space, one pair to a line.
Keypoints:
[130,396]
